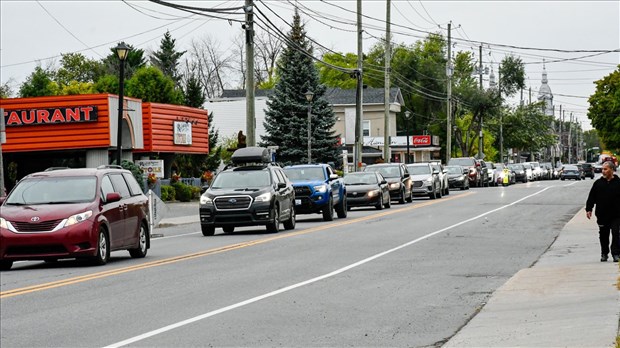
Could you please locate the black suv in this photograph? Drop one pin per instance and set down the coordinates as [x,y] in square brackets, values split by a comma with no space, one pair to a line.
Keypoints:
[587,170]
[253,192]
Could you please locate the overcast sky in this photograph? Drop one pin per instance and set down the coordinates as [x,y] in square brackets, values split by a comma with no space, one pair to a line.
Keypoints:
[35,32]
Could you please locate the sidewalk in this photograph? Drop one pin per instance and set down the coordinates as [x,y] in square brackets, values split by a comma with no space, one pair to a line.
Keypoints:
[567,299]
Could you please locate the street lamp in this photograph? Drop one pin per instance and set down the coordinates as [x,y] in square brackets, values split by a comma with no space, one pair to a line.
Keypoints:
[121,51]
[309,96]
[407,117]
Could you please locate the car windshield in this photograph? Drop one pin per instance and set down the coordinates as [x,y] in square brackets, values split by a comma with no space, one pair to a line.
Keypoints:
[418,170]
[360,179]
[462,162]
[386,171]
[515,167]
[241,179]
[305,174]
[570,168]
[454,170]
[54,190]
[499,166]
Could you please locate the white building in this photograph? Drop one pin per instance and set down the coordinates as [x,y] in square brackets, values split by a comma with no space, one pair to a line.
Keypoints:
[229,117]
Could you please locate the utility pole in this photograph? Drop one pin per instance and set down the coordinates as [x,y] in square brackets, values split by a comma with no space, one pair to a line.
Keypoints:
[561,131]
[480,140]
[501,119]
[449,104]
[359,96]
[250,117]
[388,58]
[570,140]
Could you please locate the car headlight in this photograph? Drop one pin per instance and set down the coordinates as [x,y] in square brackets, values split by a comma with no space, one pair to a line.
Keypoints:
[77,218]
[373,193]
[3,223]
[429,180]
[265,197]
[395,185]
[204,199]
[321,188]
[460,178]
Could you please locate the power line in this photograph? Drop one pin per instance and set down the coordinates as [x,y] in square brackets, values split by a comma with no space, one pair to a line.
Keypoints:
[67,30]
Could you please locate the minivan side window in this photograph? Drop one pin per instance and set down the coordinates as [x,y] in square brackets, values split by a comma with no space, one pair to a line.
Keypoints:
[134,187]
[106,187]
[120,185]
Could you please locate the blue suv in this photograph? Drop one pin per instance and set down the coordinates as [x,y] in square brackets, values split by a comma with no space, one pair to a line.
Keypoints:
[318,189]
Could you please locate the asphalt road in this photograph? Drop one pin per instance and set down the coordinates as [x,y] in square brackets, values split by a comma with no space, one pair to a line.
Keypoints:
[409,276]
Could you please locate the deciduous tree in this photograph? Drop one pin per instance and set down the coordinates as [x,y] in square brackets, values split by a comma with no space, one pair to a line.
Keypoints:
[604,110]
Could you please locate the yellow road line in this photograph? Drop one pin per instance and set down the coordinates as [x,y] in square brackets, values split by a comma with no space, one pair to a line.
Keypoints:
[98,275]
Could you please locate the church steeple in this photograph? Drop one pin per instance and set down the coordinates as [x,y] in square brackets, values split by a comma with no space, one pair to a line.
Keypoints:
[544,93]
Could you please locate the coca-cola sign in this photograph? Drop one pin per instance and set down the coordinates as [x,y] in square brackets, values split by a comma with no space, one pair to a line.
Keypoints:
[421,140]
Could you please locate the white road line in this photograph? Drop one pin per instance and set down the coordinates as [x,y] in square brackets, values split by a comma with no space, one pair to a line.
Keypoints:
[309,281]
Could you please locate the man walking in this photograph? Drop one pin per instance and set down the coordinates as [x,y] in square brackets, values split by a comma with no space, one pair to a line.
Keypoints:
[605,194]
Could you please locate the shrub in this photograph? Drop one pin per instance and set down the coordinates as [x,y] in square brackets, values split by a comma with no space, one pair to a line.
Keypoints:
[167,193]
[184,192]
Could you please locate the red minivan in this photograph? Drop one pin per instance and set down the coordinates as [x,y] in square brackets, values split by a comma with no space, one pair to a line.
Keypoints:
[74,213]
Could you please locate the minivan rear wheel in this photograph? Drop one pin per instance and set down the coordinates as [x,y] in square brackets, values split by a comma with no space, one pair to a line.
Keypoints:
[141,250]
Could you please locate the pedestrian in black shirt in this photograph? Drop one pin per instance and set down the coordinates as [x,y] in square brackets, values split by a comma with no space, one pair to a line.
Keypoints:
[605,194]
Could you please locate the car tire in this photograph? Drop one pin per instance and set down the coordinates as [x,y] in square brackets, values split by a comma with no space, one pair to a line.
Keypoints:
[103,248]
[292,220]
[410,197]
[143,243]
[207,230]
[341,208]
[228,229]
[401,199]
[274,227]
[5,265]
[379,204]
[433,194]
[328,211]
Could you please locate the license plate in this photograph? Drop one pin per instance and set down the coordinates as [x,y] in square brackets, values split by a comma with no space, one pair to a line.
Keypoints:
[298,202]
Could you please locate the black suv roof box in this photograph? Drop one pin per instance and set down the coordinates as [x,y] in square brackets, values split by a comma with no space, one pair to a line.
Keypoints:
[251,154]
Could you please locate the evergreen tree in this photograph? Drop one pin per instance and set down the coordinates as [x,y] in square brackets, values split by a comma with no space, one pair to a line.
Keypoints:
[286,119]
[194,94]
[212,162]
[167,58]
[111,65]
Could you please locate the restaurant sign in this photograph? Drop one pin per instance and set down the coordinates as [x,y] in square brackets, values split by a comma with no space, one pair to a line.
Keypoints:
[30,117]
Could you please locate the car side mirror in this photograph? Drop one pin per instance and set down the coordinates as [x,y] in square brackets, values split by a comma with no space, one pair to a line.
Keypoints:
[2,199]
[204,189]
[333,177]
[383,182]
[406,175]
[435,172]
[112,197]
[281,185]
